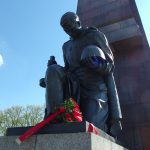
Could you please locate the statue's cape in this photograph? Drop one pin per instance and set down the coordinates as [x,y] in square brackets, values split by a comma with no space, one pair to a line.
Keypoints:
[101,41]
[114,105]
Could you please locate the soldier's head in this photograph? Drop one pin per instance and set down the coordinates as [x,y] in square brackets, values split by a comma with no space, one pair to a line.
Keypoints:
[71,24]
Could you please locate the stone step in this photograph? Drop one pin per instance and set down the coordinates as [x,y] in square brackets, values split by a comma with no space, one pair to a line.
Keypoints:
[66,141]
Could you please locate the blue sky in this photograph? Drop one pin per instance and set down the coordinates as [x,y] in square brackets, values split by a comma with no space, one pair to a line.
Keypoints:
[144,10]
[29,34]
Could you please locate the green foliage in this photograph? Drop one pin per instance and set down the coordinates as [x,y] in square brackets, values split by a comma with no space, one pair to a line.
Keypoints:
[19,116]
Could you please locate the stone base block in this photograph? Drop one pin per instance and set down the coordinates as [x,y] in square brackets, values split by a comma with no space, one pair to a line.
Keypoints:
[74,127]
[69,141]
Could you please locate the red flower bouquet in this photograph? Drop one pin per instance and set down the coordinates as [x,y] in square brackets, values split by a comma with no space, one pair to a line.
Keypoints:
[71,112]
[67,112]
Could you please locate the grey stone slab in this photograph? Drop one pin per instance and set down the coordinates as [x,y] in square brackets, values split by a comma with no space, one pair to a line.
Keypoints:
[75,141]
[110,28]
[104,144]
[117,26]
[124,33]
[128,22]
[68,141]
[9,143]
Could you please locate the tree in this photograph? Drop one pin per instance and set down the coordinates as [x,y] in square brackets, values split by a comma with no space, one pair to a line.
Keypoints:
[19,116]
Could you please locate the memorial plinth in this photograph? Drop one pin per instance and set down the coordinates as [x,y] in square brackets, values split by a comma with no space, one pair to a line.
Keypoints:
[68,141]
[65,136]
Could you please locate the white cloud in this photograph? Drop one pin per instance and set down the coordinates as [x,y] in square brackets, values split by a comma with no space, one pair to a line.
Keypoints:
[1,60]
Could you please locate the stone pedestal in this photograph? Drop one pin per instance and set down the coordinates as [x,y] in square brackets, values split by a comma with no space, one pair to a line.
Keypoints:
[63,136]
[69,141]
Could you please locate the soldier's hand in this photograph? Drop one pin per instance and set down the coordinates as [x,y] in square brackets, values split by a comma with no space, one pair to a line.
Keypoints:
[93,62]
[42,82]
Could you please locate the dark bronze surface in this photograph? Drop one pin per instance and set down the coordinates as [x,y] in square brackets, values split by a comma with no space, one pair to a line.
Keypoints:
[91,83]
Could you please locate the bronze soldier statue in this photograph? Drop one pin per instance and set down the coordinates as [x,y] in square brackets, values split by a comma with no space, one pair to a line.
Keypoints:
[87,76]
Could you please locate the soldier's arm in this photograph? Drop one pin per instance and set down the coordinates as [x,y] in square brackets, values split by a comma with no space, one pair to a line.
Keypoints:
[65,61]
[107,65]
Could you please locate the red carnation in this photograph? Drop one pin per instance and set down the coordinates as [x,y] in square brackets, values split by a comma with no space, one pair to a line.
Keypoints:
[76,112]
[62,109]
[77,115]
[78,118]
[74,102]
[68,117]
